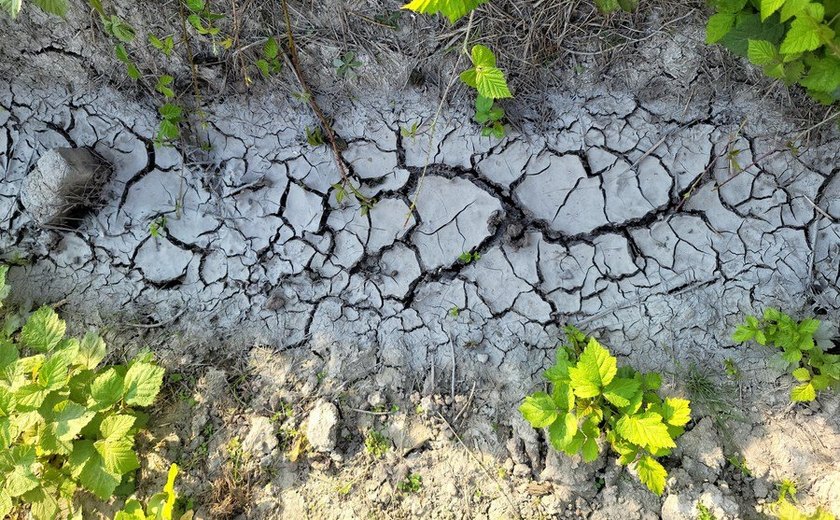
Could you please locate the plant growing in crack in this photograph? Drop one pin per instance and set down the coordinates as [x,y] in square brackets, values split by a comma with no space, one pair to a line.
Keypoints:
[468,257]
[411,484]
[814,369]
[157,226]
[410,132]
[376,444]
[489,114]
[784,508]
[269,64]
[346,65]
[169,129]
[203,20]
[591,397]
[314,136]
[165,45]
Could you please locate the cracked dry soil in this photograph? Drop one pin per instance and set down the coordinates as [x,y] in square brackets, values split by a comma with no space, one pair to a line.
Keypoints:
[620,214]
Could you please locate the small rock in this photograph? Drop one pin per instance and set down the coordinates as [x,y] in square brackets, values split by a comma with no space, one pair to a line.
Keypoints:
[521,470]
[322,426]
[261,439]
[376,399]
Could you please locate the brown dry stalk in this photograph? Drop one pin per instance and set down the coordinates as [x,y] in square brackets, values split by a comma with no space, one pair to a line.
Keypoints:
[293,55]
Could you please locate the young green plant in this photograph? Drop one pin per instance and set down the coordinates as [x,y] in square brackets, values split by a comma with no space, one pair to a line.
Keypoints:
[66,421]
[160,506]
[591,397]
[811,366]
[795,41]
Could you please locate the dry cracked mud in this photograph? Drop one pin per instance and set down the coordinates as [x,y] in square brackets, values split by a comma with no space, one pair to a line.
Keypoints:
[623,214]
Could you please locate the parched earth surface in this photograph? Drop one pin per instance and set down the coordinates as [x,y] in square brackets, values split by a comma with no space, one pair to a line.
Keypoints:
[653,220]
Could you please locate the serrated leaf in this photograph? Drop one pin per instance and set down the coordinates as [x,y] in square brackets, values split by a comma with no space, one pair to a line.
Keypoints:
[117,455]
[802,374]
[792,8]
[43,330]
[5,504]
[590,450]
[142,384]
[729,6]
[53,374]
[652,474]
[820,382]
[69,420]
[91,351]
[676,411]
[651,381]
[595,369]
[491,83]
[718,26]
[452,9]
[760,52]
[621,390]
[12,7]
[56,7]
[116,426]
[106,390]
[469,78]
[823,76]
[30,397]
[803,35]
[270,49]
[262,65]
[563,396]
[743,332]
[482,56]
[539,409]
[19,481]
[803,393]
[768,7]
[646,430]
[562,431]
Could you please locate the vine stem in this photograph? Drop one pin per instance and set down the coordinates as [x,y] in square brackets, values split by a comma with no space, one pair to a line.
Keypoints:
[433,124]
[293,55]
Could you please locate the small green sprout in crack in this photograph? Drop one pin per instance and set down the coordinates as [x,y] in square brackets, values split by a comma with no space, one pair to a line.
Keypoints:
[489,114]
[468,257]
[785,508]
[703,512]
[269,64]
[157,227]
[376,444]
[412,483]
[800,352]
[740,463]
[454,312]
[346,65]
[410,132]
[321,376]
[344,489]
[315,136]
[732,369]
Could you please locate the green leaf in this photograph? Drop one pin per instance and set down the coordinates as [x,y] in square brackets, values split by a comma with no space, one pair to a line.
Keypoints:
[133,510]
[106,390]
[729,6]
[803,393]
[718,26]
[118,455]
[69,420]
[452,9]
[469,78]
[563,396]
[43,330]
[652,474]
[264,68]
[607,6]
[821,382]
[562,431]
[482,56]
[12,7]
[5,504]
[490,82]
[792,355]
[750,27]
[30,397]
[121,30]
[769,7]
[170,112]
[53,374]
[802,36]
[270,49]
[43,503]
[88,468]
[56,7]
[595,370]
[590,449]
[91,351]
[823,76]
[651,381]
[802,374]
[743,332]
[792,8]
[676,411]
[760,52]
[539,409]
[646,430]
[116,426]
[621,390]
[163,506]
[142,384]
[20,480]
